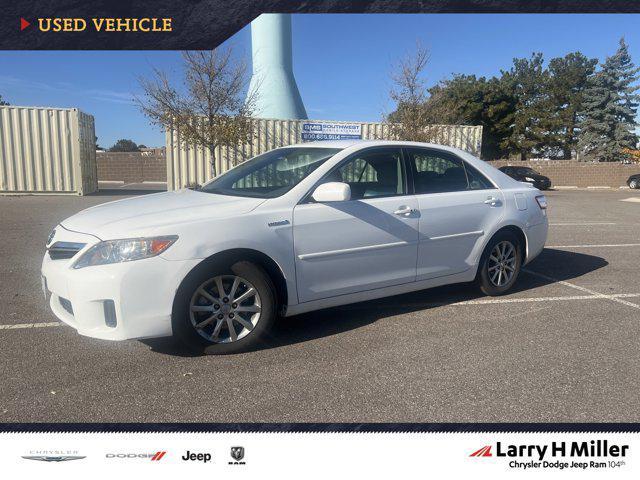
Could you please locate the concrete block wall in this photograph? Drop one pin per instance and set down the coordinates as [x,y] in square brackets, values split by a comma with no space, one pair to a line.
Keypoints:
[137,167]
[131,167]
[571,173]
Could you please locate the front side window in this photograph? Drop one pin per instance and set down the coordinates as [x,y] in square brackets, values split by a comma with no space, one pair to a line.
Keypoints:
[438,172]
[271,174]
[372,173]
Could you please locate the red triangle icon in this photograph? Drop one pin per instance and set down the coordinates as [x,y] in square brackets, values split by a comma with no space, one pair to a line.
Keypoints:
[23,24]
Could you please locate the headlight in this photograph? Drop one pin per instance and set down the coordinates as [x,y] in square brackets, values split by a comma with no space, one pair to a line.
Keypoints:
[529,179]
[126,250]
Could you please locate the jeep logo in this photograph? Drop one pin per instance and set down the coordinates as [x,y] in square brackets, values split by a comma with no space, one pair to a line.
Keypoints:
[196,457]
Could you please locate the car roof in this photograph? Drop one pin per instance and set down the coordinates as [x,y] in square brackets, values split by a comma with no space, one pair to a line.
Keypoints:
[368,143]
[326,144]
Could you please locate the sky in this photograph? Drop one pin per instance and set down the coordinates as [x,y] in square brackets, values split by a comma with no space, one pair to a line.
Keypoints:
[342,63]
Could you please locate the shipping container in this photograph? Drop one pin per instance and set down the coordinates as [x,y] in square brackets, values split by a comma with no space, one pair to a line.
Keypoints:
[47,150]
[189,164]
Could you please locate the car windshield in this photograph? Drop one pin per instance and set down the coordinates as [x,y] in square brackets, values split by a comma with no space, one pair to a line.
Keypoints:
[271,174]
[527,170]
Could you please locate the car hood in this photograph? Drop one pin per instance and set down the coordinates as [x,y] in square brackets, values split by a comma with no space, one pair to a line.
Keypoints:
[135,216]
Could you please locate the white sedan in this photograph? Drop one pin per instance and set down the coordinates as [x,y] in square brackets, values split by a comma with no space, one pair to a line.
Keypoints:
[293,230]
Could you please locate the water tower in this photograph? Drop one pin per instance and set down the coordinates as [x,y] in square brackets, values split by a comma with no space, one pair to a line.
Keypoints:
[277,92]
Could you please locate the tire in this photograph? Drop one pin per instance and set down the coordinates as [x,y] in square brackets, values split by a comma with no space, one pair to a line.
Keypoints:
[634,184]
[489,277]
[193,307]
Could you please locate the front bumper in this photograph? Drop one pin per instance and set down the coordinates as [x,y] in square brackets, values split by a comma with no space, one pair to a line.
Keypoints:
[117,301]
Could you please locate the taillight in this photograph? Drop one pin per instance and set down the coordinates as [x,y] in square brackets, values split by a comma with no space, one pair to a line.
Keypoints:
[542,202]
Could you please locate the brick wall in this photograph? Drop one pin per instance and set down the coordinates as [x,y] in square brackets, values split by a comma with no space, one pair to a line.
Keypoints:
[571,173]
[134,167]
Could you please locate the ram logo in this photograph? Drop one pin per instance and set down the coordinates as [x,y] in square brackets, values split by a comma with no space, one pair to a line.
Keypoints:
[237,453]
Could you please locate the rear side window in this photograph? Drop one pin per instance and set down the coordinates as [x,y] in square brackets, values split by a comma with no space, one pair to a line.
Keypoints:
[437,172]
[477,181]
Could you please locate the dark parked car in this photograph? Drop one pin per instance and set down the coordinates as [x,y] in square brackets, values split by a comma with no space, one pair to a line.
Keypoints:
[634,181]
[529,175]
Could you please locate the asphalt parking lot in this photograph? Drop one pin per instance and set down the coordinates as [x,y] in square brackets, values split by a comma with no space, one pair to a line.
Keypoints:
[563,347]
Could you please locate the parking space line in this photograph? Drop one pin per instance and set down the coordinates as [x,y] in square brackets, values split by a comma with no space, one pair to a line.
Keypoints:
[582,289]
[17,326]
[580,224]
[604,245]
[544,299]
[591,295]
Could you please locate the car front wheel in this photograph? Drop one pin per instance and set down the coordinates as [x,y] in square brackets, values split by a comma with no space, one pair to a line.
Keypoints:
[500,264]
[228,310]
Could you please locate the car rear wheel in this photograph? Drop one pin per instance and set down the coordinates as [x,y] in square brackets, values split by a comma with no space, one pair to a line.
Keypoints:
[228,310]
[500,264]
[634,184]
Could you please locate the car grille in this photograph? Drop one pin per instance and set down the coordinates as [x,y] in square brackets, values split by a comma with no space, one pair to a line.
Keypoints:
[62,250]
[66,304]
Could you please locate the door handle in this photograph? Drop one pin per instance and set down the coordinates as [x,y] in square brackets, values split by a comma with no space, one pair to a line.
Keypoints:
[492,201]
[404,210]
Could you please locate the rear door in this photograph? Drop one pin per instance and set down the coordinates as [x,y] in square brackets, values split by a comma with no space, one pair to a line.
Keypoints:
[458,206]
[365,243]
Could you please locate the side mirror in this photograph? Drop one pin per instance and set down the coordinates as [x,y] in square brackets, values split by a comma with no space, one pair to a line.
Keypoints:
[332,192]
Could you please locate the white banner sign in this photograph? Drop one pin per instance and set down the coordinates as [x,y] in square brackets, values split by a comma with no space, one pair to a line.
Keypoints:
[330,131]
[337,455]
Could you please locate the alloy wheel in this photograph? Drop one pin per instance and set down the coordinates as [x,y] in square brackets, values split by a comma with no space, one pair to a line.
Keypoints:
[225,309]
[502,263]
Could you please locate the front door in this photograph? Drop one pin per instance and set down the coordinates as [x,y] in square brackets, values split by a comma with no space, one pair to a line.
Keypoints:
[365,243]
[458,206]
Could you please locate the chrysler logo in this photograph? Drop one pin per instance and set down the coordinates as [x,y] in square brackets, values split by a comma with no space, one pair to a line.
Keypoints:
[53,458]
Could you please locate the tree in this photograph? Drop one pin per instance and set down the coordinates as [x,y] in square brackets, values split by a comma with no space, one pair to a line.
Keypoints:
[457,100]
[124,145]
[566,83]
[467,100]
[210,111]
[610,106]
[528,80]
[3,102]
[409,121]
